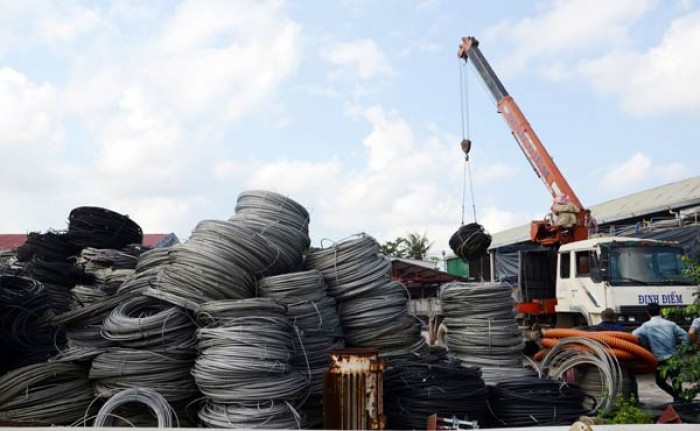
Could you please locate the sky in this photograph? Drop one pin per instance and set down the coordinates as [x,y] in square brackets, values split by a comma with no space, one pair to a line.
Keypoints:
[166,111]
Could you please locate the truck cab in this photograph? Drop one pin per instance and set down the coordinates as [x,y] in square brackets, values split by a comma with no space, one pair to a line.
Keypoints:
[620,273]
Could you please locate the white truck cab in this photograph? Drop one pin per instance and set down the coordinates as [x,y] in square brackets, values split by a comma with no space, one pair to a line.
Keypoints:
[620,273]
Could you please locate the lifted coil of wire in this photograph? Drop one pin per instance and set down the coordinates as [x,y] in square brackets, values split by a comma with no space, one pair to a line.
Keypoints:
[470,242]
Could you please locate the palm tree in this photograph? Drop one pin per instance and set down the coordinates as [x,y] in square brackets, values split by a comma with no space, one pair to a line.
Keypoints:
[394,248]
[416,245]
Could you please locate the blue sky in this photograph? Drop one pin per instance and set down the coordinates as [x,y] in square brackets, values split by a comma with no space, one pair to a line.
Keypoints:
[166,111]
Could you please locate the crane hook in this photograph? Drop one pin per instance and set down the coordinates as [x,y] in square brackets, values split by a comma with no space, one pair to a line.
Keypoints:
[466,146]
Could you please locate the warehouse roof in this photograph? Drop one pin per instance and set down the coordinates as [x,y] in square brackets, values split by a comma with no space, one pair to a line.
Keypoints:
[670,197]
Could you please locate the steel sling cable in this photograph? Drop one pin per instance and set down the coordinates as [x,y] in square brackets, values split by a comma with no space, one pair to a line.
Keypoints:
[156,403]
[45,394]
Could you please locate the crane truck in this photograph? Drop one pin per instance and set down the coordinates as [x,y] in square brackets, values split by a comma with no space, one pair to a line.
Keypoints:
[571,278]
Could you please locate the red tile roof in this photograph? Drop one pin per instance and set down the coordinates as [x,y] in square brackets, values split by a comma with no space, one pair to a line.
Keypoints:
[12,240]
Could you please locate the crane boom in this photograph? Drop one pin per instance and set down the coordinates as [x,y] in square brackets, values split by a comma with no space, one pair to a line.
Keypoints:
[531,145]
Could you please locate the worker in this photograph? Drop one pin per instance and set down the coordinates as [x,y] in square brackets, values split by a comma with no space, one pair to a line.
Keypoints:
[694,331]
[591,223]
[564,211]
[609,323]
[661,336]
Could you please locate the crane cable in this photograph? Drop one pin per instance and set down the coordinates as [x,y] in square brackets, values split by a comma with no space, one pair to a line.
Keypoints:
[466,142]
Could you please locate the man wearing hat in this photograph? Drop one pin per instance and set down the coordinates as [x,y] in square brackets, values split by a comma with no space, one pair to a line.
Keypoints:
[608,323]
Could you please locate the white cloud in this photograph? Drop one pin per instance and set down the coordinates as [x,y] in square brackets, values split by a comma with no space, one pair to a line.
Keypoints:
[360,57]
[567,28]
[628,174]
[657,81]
[64,25]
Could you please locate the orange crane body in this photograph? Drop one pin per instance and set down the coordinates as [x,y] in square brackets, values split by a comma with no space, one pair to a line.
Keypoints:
[541,231]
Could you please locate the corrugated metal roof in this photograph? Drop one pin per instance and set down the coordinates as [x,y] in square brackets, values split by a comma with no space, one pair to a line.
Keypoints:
[673,196]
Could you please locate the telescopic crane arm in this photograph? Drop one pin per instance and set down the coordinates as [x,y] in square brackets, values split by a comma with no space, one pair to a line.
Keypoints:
[529,143]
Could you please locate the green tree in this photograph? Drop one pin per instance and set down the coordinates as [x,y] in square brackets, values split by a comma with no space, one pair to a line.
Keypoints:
[395,248]
[417,245]
[686,361]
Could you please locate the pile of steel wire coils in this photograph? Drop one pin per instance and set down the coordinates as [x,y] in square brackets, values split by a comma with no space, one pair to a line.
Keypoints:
[372,307]
[535,402]
[416,386]
[244,365]
[470,242]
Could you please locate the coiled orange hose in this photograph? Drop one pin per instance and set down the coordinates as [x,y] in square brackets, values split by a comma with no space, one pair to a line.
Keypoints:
[623,346]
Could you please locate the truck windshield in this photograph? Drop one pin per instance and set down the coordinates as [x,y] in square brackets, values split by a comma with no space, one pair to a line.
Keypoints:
[644,265]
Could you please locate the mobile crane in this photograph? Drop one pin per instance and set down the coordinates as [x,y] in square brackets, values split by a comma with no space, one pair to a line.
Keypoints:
[573,279]
[541,231]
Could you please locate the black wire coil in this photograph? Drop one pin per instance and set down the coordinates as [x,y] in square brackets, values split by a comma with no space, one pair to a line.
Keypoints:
[535,402]
[51,246]
[26,338]
[470,242]
[102,228]
[416,386]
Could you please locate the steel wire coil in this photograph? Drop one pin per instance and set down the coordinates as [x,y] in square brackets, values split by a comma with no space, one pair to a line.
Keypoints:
[98,258]
[102,228]
[139,282]
[493,374]
[25,308]
[575,352]
[470,242]
[357,248]
[121,368]
[236,243]
[197,274]
[52,246]
[216,313]
[252,415]
[156,403]
[416,387]
[91,314]
[153,258]
[59,273]
[85,295]
[272,205]
[300,286]
[535,402]
[45,394]
[289,242]
[482,330]
[315,317]
[146,323]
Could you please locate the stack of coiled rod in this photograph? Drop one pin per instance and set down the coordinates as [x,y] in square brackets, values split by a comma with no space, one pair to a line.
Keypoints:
[314,318]
[373,309]
[244,362]
[482,329]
